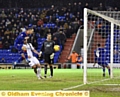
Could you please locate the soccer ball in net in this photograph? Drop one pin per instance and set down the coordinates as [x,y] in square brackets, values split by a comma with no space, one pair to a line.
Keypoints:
[57,48]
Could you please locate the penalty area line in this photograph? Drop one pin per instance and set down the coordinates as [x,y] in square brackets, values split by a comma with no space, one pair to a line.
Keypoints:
[81,85]
[64,89]
[111,84]
[89,84]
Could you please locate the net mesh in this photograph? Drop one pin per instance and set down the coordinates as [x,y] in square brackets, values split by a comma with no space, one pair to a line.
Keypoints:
[99,32]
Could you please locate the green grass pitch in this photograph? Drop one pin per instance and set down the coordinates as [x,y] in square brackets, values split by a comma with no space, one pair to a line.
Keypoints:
[25,79]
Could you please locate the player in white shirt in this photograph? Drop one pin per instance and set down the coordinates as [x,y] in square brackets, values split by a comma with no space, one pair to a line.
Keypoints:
[33,61]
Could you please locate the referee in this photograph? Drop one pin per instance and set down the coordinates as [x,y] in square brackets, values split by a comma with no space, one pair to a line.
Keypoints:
[48,50]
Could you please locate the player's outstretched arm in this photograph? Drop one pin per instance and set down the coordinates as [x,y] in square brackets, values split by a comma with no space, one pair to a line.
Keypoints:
[35,51]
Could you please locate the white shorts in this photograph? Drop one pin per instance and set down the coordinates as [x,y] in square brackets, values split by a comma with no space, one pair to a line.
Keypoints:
[33,61]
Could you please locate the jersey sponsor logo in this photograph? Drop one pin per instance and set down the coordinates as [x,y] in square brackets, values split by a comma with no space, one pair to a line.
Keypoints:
[48,45]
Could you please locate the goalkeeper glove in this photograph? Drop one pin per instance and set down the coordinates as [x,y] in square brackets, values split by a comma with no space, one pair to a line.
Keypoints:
[40,53]
[52,56]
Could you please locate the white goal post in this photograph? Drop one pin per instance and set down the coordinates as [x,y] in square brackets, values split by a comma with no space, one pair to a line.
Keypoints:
[113,23]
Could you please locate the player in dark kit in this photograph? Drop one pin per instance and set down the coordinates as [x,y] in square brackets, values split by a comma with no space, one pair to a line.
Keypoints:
[48,50]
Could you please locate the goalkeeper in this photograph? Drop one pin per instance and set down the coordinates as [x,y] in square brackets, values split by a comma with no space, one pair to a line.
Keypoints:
[100,58]
[48,50]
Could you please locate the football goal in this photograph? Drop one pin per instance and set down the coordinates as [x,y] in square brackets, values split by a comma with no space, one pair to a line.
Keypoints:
[101,46]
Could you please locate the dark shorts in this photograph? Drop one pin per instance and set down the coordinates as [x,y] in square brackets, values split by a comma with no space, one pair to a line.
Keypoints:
[47,59]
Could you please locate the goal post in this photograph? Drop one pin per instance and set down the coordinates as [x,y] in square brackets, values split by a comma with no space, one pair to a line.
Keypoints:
[107,34]
[111,55]
[85,47]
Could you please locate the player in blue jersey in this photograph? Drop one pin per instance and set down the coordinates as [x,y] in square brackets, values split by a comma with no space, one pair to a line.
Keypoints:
[18,43]
[20,38]
[101,58]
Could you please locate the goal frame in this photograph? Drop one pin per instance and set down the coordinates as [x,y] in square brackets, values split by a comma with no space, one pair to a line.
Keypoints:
[112,21]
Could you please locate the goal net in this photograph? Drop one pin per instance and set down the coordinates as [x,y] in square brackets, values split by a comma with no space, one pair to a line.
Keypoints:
[101,46]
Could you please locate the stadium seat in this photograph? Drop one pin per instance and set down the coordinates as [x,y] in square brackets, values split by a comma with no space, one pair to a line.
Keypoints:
[37,35]
[52,25]
[1,51]
[55,60]
[44,25]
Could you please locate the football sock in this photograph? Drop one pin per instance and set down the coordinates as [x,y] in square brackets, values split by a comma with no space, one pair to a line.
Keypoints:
[38,72]
[45,70]
[51,70]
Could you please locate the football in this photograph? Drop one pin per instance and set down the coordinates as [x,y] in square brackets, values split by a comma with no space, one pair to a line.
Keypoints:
[57,48]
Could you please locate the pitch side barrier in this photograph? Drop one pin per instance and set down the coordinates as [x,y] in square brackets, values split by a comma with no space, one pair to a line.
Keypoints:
[23,65]
[55,65]
[19,65]
[81,65]
[6,65]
